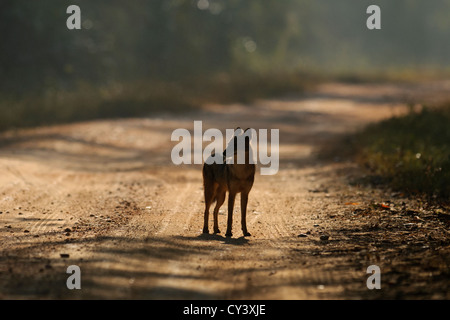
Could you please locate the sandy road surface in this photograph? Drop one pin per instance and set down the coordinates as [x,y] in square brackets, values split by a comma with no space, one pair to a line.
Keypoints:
[106,194]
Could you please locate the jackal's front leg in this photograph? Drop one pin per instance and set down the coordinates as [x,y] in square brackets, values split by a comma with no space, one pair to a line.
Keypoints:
[231,198]
[244,201]
[205,222]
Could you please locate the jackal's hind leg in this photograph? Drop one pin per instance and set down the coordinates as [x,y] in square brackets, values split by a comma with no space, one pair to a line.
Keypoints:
[210,193]
[220,200]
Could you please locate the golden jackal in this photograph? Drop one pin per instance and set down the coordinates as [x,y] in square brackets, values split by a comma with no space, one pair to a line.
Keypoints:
[232,177]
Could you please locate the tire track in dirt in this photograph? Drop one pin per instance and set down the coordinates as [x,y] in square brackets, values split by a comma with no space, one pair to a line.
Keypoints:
[179,205]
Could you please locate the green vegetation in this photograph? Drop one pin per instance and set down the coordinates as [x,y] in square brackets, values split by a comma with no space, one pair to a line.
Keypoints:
[411,152]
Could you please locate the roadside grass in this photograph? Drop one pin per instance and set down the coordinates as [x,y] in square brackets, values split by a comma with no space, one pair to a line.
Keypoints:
[411,153]
[140,98]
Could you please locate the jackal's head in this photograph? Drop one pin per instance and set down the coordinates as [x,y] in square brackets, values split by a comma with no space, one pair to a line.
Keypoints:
[240,145]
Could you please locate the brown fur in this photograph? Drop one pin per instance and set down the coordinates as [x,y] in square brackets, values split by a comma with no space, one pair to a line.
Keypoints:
[232,178]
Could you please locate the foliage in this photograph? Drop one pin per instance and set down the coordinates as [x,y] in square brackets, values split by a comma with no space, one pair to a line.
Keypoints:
[177,50]
[412,151]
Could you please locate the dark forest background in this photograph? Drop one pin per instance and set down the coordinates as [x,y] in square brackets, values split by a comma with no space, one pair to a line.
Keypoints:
[141,56]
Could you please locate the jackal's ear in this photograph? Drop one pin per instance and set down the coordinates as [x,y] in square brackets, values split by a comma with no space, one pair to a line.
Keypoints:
[238,131]
[249,132]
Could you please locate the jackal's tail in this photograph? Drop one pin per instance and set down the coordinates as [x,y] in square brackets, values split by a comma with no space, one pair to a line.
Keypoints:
[208,184]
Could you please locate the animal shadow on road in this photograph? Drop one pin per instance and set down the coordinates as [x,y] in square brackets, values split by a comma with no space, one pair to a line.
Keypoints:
[216,237]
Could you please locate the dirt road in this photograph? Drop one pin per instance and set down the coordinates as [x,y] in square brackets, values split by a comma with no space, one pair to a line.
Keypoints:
[105,196]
